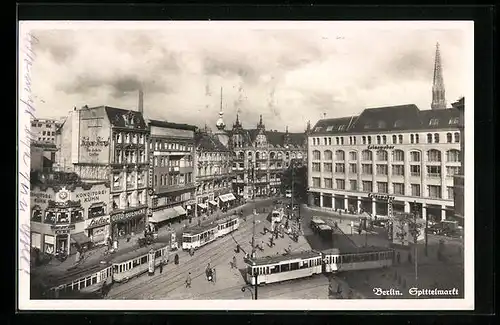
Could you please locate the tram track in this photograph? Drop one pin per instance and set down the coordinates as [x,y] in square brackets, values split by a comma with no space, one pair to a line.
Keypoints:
[193,265]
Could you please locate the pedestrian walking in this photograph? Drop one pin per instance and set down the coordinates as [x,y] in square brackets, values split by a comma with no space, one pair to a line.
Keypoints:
[398,257]
[234,262]
[188,280]
[213,275]
[176,259]
[191,251]
[161,267]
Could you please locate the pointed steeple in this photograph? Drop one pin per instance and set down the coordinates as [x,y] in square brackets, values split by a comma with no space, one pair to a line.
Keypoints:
[220,122]
[286,137]
[140,105]
[438,92]
[237,124]
[261,126]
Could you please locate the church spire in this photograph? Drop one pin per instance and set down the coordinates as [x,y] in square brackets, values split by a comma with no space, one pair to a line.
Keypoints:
[220,122]
[438,93]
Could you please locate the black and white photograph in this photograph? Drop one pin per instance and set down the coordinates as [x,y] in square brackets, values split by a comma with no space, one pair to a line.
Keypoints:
[232,165]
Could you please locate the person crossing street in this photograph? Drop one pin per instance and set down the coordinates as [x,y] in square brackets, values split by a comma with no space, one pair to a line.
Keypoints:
[188,280]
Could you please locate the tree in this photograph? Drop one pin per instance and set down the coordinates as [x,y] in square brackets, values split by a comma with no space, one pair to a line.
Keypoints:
[297,175]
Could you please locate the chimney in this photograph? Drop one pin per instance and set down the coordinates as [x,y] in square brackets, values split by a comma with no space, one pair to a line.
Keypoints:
[141,101]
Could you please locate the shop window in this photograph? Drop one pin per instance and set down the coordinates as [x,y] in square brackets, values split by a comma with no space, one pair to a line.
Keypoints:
[36,215]
[50,217]
[63,217]
[77,216]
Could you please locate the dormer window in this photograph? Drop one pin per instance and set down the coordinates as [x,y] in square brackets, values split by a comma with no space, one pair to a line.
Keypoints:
[434,122]
[328,129]
[381,124]
[342,127]
[367,126]
[453,121]
[398,124]
[129,119]
[318,128]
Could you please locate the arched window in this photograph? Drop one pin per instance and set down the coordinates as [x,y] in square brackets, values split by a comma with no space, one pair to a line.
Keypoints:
[434,155]
[414,156]
[316,155]
[453,155]
[329,141]
[257,155]
[457,137]
[339,155]
[436,137]
[394,139]
[400,137]
[429,138]
[412,138]
[382,155]
[363,139]
[342,141]
[369,139]
[366,155]
[378,139]
[353,155]
[384,139]
[398,155]
[328,155]
[417,140]
[354,140]
[241,155]
[448,138]
[272,155]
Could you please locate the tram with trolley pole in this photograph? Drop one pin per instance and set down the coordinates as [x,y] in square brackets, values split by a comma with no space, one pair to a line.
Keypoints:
[199,236]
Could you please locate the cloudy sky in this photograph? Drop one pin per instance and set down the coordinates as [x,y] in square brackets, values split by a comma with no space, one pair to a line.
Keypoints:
[287,75]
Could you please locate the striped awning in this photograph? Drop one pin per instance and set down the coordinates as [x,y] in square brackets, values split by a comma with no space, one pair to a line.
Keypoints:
[227,197]
[180,210]
[162,215]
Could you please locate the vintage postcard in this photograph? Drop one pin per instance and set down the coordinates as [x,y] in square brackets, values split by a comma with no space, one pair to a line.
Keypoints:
[246,165]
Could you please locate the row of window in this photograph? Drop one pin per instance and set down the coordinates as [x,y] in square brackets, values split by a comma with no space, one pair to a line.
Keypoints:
[127,200]
[48,133]
[57,216]
[452,155]
[174,199]
[164,161]
[259,165]
[130,156]
[272,155]
[213,156]
[433,191]
[397,170]
[209,187]
[130,180]
[46,139]
[383,139]
[48,126]
[158,144]
[173,179]
[127,137]
[87,281]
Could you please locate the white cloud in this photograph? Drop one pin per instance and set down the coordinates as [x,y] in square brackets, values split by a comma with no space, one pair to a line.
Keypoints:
[288,76]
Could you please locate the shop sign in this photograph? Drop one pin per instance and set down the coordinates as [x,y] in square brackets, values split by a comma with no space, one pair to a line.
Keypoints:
[62,229]
[41,197]
[91,196]
[127,215]
[98,222]
[383,147]
[94,148]
[383,197]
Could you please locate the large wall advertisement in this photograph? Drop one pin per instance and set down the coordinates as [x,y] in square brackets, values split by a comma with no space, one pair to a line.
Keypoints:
[94,139]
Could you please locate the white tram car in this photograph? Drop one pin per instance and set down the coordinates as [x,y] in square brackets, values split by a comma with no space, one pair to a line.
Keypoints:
[277,215]
[361,258]
[139,261]
[227,225]
[279,268]
[199,236]
[80,281]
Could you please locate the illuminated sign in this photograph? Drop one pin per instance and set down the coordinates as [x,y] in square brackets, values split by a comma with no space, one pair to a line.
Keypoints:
[128,215]
[99,222]
[383,147]
[383,197]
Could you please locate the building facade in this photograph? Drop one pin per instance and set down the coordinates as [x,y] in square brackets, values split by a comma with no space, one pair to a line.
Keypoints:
[399,155]
[260,156]
[109,144]
[214,172]
[44,130]
[171,171]
[459,179]
[66,212]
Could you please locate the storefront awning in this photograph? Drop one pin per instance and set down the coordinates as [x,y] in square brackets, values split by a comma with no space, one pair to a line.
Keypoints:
[202,205]
[212,202]
[162,215]
[80,238]
[230,197]
[180,210]
[223,198]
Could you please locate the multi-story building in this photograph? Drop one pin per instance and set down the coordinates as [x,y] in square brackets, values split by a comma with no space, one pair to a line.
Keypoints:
[171,171]
[110,144]
[458,181]
[44,130]
[66,212]
[398,154]
[214,171]
[260,156]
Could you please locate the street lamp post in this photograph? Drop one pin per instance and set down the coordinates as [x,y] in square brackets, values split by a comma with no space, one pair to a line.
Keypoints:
[415,232]
[249,287]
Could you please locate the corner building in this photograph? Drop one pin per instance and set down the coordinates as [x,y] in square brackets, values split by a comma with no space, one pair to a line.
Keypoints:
[109,144]
[399,154]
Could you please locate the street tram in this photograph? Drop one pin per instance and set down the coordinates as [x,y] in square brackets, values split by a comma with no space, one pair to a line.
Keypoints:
[316,223]
[80,280]
[199,236]
[325,232]
[280,268]
[360,258]
[277,215]
[227,225]
[140,261]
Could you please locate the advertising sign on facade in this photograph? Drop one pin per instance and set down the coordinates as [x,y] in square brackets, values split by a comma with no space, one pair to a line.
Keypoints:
[151,266]
[128,215]
[41,197]
[98,222]
[93,196]
[94,141]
